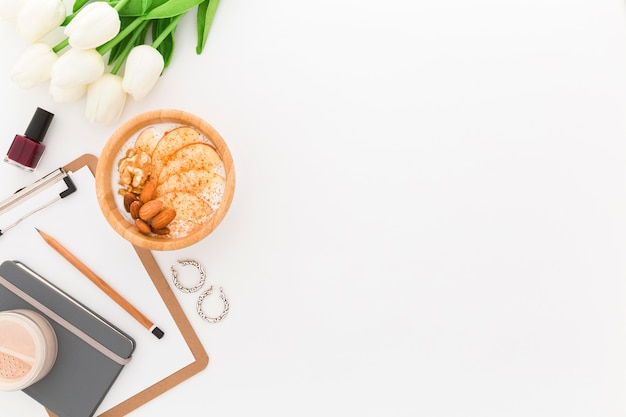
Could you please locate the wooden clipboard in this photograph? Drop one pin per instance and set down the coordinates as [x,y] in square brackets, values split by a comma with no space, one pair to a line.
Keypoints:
[201,359]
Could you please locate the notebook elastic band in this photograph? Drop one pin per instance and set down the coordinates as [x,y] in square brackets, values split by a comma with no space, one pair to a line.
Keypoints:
[61,321]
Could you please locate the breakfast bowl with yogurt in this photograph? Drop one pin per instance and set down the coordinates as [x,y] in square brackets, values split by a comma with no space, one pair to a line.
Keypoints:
[165,180]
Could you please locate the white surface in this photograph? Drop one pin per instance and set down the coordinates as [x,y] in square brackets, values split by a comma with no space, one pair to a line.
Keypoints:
[430,210]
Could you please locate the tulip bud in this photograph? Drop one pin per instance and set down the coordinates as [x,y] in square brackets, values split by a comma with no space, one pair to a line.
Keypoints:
[94,25]
[77,67]
[37,18]
[105,99]
[66,95]
[34,65]
[144,65]
[9,9]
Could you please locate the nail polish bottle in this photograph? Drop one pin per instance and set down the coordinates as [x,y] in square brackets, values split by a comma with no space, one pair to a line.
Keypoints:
[26,150]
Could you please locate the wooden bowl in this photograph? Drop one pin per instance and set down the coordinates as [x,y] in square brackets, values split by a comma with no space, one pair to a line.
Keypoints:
[111,202]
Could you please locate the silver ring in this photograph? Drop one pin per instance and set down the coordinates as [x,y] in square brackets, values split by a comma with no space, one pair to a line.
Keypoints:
[177,284]
[201,311]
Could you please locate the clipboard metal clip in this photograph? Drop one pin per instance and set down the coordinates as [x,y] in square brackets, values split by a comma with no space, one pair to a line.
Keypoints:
[30,190]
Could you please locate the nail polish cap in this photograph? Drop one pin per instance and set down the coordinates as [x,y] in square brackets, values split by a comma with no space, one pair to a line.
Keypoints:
[38,125]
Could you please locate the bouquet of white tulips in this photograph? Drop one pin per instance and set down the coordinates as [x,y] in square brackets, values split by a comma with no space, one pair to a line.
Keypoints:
[101,38]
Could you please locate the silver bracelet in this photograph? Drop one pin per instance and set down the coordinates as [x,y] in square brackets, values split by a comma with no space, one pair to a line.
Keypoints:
[201,311]
[185,262]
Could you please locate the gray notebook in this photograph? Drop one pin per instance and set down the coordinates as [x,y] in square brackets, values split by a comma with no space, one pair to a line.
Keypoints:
[90,357]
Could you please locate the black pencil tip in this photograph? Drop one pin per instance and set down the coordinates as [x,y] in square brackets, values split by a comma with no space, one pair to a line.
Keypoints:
[158,332]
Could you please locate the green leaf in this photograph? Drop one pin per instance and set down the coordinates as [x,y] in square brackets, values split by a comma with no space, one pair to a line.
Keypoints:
[167,50]
[142,36]
[206,13]
[145,5]
[139,7]
[166,45]
[78,4]
[172,8]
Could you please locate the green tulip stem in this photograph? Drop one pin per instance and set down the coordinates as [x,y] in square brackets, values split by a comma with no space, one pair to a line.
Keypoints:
[163,35]
[61,45]
[103,49]
[127,48]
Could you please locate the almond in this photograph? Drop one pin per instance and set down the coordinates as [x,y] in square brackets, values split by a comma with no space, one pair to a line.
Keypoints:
[134,209]
[128,199]
[150,209]
[163,218]
[161,232]
[148,192]
[142,226]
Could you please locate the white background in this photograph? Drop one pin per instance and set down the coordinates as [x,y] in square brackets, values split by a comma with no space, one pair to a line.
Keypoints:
[430,210]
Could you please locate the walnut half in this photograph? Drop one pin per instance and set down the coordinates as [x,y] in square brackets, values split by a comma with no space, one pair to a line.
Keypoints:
[134,169]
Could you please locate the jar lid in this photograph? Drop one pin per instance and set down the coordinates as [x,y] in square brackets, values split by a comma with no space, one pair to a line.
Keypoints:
[28,348]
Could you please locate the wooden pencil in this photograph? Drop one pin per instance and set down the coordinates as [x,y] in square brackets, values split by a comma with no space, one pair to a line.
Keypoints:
[100,283]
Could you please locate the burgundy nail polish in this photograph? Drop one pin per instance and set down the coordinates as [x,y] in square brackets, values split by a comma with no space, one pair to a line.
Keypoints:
[26,150]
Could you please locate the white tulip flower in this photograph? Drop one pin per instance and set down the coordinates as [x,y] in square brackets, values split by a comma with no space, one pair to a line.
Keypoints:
[144,65]
[9,9]
[94,25]
[77,67]
[105,99]
[67,95]
[34,65]
[36,18]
